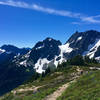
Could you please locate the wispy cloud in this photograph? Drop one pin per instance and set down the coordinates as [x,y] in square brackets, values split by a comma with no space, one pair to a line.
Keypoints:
[76,23]
[83,18]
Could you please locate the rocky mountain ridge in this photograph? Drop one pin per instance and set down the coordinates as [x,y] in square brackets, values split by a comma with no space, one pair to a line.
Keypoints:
[51,52]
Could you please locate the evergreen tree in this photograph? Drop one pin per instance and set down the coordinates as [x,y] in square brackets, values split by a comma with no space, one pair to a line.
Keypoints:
[43,74]
[87,59]
[47,71]
[77,60]
[94,61]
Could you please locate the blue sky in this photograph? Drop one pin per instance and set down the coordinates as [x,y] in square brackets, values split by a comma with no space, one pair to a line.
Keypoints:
[25,22]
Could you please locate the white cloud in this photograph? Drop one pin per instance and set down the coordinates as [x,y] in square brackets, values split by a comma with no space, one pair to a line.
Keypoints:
[90,19]
[76,23]
[83,18]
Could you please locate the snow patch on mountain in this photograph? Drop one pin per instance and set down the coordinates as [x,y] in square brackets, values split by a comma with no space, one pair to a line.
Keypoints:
[40,47]
[92,48]
[41,65]
[98,59]
[50,39]
[23,63]
[55,61]
[27,55]
[65,48]
[79,38]
[17,56]
[61,60]
[2,51]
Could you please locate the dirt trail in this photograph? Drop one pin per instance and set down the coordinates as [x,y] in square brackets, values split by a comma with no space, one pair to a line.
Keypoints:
[95,68]
[61,89]
[58,92]
[34,89]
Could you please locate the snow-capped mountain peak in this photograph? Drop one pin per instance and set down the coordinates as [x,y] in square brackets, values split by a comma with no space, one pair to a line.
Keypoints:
[51,52]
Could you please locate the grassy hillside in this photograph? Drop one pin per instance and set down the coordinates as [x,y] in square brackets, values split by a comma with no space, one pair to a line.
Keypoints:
[43,86]
[87,87]
[85,83]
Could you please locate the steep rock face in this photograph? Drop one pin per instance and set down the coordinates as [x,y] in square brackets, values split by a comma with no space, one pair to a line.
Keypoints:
[43,54]
[84,43]
[47,48]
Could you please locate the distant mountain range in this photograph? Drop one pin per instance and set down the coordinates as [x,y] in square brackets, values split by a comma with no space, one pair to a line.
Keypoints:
[20,64]
[10,51]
